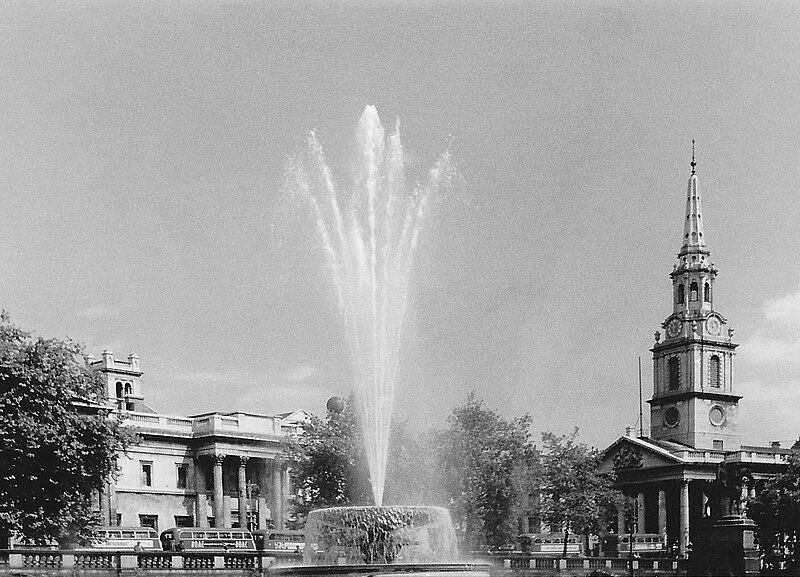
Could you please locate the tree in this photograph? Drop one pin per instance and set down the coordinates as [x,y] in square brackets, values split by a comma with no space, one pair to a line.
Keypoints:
[575,497]
[412,476]
[58,446]
[776,511]
[328,462]
[486,463]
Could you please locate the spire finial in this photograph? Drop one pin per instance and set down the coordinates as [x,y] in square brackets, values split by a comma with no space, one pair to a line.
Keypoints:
[693,163]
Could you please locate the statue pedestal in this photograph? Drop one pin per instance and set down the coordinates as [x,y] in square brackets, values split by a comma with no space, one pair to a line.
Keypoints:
[726,547]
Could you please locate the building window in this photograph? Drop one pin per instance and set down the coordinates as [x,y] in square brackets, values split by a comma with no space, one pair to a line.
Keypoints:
[119,390]
[674,367]
[184,521]
[707,294]
[149,521]
[693,291]
[119,519]
[183,475]
[128,389]
[716,445]
[714,373]
[147,474]
[680,296]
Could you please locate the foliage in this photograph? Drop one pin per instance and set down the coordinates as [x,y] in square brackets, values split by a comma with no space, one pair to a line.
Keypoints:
[412,476]
[329,465]
[776,511]
[486,463]
[57,445]
[575,497]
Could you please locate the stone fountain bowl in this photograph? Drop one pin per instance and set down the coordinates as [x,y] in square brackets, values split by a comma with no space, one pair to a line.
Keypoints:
[390,541]
[379,535]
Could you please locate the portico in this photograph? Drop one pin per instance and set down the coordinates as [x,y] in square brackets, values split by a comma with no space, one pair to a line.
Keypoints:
[220,469]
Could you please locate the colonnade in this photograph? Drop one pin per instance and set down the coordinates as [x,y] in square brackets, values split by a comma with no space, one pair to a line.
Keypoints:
[707,500]
[274,481]
[683,515]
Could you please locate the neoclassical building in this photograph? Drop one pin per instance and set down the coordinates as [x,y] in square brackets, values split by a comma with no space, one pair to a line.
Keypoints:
[692,469]
[213,469]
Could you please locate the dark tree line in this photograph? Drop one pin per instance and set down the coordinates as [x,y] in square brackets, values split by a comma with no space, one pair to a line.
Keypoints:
[58,446]
[482,467]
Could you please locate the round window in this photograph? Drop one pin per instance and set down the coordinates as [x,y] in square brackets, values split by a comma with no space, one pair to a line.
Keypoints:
[716,415]
[672,416]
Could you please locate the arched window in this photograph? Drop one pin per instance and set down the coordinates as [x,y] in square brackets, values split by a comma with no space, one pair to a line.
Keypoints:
[714,372]
[128,389]
[680,295]
[693,291]
[119,390]
[674,367]
[707,295]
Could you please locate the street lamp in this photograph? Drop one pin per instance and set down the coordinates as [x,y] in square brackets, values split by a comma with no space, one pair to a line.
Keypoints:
[250,489]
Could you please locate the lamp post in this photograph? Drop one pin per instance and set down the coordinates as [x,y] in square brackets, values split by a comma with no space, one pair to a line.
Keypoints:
[251,488]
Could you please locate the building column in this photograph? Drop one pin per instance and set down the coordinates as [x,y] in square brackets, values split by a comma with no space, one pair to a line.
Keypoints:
[243,492]
[684,517]
[112,503]
[640,520]
[201,500]
[621,521]
[219,506]
[105,504]
[662,514]
[277,493]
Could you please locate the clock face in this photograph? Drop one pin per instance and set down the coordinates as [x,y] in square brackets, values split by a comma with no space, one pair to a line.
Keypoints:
[713,326]
[674,328]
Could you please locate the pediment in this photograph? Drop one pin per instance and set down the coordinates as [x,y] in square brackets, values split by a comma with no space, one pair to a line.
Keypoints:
[630,453]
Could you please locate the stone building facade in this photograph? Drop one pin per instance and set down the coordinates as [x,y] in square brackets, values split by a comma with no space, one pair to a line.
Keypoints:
[692,469]
[207,470]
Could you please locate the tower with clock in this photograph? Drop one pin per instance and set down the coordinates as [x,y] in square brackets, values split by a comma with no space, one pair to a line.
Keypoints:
[693,399]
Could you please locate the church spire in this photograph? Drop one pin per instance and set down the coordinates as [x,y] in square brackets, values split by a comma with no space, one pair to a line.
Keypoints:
[693,241]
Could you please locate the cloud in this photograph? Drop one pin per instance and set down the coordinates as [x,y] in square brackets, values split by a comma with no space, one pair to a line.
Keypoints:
[779,339]
[768,411]
[97,312]
[207,377]
[297,374]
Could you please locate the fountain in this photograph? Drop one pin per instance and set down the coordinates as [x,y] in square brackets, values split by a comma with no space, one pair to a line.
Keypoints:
[369,236]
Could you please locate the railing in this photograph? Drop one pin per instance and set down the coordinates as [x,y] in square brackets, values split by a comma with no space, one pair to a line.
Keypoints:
[14,560]
[549,565]
[117,562]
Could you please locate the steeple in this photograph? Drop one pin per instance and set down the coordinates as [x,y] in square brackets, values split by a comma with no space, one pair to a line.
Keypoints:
[693,239]
[693,398]
[694,274]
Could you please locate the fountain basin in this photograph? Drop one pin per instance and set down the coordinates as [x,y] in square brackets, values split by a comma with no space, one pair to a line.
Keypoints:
[379,536]
[396,570]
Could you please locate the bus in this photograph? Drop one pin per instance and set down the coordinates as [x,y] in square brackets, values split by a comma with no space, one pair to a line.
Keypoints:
[206,539]
[641,544]
[550,544]
[275,540]
[125,538]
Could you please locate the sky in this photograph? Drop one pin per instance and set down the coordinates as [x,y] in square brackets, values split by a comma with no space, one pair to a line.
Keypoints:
[143,148]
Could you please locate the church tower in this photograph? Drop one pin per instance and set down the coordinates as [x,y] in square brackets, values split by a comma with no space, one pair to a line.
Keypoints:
[693,400]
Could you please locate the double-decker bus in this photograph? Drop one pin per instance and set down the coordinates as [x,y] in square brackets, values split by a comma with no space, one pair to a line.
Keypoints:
[125,538]
[550,544]
[206,539]
[281,541]
[642,544]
